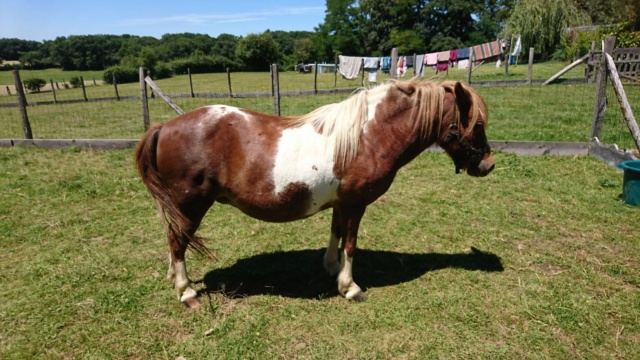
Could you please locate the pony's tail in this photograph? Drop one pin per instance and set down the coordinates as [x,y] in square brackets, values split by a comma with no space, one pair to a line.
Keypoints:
[176,224]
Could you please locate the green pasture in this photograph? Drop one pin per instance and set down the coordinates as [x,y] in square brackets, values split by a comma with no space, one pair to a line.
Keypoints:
[539,260]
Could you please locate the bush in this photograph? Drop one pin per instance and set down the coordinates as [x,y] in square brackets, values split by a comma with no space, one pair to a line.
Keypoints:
[161,71]
[34,84]
[122,74]
[75,82]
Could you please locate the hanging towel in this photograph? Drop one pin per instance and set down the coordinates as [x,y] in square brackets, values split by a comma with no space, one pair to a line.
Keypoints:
[386,64]
[517,49]
[443,66]
[402,67]
[420,65]
[443,56]
[350,67]
[463,53]
[431,59]
[373,76]
[371,63]
[486,50]
[409,61]
[453,56]
[463,64]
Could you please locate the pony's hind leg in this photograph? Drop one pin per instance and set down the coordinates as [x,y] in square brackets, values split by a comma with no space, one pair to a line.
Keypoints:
[180,235]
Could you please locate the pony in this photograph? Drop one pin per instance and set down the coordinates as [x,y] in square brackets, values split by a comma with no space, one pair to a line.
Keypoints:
[341,156]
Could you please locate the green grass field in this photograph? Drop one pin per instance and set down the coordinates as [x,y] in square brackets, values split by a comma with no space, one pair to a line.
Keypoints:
[539,260]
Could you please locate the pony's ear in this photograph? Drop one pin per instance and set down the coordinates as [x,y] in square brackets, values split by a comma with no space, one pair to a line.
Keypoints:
[406,88]
[463,98]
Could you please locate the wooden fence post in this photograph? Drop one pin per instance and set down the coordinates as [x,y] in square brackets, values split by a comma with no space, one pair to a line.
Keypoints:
[276,89]
[601,90]
[335,71]
[144,99]
[472,59]
[84,92]
[362,77]
[315,78]
[589,71]
[190,83]
[8,90]
[22,103]
[530,70]
[115,85]
[393,71]
[627,113]
[53,91]
[229,81]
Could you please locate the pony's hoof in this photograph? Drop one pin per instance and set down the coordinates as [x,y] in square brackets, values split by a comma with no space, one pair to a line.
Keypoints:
[357,296]
[192,303]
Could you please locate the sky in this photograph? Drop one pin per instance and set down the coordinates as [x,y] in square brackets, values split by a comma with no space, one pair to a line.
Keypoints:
[45,20]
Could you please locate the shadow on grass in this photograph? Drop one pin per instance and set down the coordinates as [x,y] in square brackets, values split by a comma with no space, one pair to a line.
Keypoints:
[300,274]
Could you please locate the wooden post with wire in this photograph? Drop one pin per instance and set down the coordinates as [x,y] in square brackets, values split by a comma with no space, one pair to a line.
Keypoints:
[276,89]
[601,93]
[22,103]
[144,99]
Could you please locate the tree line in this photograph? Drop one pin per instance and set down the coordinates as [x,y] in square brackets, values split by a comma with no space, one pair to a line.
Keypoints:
[350,27]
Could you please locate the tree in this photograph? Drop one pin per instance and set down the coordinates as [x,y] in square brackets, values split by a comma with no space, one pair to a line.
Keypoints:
[148,58]
[340,31]
[541,23]
[225,46]
[304,51]
[12,49]
[257,52]
[606,12]
[34,84]
[408,41]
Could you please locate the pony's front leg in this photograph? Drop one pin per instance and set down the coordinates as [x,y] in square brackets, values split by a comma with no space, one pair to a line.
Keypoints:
[331,263]
[349,224]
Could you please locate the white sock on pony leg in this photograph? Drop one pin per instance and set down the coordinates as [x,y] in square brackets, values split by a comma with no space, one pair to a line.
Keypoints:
[346,285]
[181,282]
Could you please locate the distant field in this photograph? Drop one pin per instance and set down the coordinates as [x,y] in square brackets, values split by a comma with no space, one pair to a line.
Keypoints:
[486,71]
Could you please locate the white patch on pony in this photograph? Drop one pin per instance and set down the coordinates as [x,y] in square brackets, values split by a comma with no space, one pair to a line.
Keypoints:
[374,98]
[304,156]
[218,111]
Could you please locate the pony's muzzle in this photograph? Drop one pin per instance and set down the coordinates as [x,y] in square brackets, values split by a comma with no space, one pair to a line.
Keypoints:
[484,167]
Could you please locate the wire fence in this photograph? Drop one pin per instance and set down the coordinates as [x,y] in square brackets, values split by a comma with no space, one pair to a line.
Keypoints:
[560,112]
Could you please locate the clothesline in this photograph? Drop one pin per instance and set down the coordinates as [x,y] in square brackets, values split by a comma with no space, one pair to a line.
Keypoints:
[350,66]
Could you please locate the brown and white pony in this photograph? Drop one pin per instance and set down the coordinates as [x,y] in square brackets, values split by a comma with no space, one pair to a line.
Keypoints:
[341,156]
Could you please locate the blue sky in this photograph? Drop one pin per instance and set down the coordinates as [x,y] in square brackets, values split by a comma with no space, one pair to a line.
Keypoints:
[45,20]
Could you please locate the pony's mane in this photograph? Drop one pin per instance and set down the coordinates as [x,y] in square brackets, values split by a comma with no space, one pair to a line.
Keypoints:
[343,122]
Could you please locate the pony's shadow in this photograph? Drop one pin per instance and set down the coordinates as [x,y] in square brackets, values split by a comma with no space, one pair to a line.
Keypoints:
[300,274]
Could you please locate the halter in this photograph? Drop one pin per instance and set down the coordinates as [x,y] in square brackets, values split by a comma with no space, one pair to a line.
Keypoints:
[472,153]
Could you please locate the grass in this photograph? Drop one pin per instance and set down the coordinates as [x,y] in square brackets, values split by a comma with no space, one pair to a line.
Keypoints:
[554,273]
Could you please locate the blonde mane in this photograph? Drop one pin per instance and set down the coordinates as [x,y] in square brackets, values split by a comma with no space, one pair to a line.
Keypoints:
[343,122]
